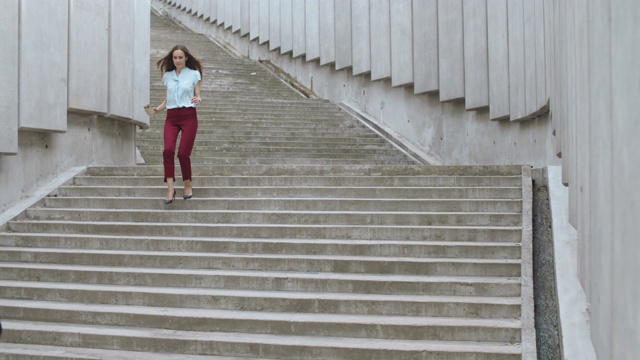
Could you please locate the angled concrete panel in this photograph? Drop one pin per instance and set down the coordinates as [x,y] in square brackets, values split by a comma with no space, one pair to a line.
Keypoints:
[9,46]
[498,59]
[312,29]
[517,76]
[286,26]
[264,21]
[89,47]
[401,25]
[360,37]
[221,13]
[425,46]
[450,49]
[380,39]
[228,13]
[236,13]
[298,25]
[121,59]
[254,19]
[43,110]
[213,10]
[541,71]
[327,32]
[531,86]
[141,65]
[274,24]
[343,34]
[245,13]
[476,68]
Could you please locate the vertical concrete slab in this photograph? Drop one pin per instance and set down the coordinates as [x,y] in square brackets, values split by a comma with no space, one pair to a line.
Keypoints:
[541,86]
[425,46]
[221,12]
[236,13]
[450,49]
[517,95]
[141,67]
[360,37]
[213,10]
[327,32]
[254,19]
[380,39]
[476,68]
[121,59]
[89,49]
[286,26]
[264,21]
[498,56]
[9,46]
[531,86]
[245,13]
[625,83]
[202,13]
[228,13]
[312,29]
[274,24]
[43,110]
[298,24]
[343,34]
[401,26]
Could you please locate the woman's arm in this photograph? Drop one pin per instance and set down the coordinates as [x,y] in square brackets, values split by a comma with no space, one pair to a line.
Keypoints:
[197,99]
[150,111]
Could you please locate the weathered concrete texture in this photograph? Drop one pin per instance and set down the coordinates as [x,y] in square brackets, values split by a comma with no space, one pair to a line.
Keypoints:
[89,140]
[476,70]
[498,59]
[425,46]
[286,26]
[327,32]
[450,49]
[544,281]
[312,29]
[121,59]
[361,37]
[9,46]
[380,39]
[43,110]
[298,14]
[343,34]
[401,31]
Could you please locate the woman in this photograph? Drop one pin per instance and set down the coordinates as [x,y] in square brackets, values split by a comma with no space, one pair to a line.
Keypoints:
[182,75]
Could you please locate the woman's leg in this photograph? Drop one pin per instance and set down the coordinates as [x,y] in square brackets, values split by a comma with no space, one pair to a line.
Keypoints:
[171,131]
[189,129]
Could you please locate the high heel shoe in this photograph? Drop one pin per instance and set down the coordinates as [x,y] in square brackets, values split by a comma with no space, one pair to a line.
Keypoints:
[187,197]
[167,202]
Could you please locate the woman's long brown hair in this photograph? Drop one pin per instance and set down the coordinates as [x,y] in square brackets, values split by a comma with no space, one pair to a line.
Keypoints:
[166,63]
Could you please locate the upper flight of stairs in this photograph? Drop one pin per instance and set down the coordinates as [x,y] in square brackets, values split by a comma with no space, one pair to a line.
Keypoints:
[309,237]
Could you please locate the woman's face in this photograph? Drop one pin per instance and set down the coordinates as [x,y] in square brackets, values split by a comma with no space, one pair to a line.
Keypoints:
[179,59]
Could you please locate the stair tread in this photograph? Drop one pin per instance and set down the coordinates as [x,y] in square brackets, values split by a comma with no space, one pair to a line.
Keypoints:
[267,339]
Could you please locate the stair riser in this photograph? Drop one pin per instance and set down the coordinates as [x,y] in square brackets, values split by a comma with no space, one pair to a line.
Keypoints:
[275,231]
[294,326]
[250,281]
[303,192]
[236,348]
[432,250]
[266,303]
[284,218]
[204,261]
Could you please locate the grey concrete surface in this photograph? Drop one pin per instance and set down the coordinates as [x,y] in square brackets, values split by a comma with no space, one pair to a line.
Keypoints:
[380,39]
[425,46]
[450,50]
[361,37]
[498,59]
[401,34]
[476,69]
[9,24]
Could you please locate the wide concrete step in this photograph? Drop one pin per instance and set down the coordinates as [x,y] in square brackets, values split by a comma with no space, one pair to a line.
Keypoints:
[277,132]
[201,156]
[282,217]
[253,149]
[337,180]
[318,282]
[266,262]
[274,301]
[381,248]
[284,203]
[252,345]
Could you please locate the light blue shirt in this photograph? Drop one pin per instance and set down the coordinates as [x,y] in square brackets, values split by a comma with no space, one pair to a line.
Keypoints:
[180,89]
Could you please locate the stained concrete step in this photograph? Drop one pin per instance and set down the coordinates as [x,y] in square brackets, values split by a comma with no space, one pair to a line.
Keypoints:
[266,262]
[336,180]
[274,301]
[321,283]
[282,217]
[253,345]
[381,248]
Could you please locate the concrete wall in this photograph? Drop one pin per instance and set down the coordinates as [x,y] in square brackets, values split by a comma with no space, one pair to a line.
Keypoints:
[565,70]
[75,89]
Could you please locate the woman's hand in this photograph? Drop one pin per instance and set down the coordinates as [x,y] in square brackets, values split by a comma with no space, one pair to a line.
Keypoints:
[149,110]
[196,100]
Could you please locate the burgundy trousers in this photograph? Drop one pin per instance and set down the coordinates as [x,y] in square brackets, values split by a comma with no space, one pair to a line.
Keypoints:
[185,120]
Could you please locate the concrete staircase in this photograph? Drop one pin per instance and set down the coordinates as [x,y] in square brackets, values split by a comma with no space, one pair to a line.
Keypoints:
[309,237]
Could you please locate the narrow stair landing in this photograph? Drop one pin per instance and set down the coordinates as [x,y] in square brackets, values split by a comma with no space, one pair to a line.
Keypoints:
[308,237]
